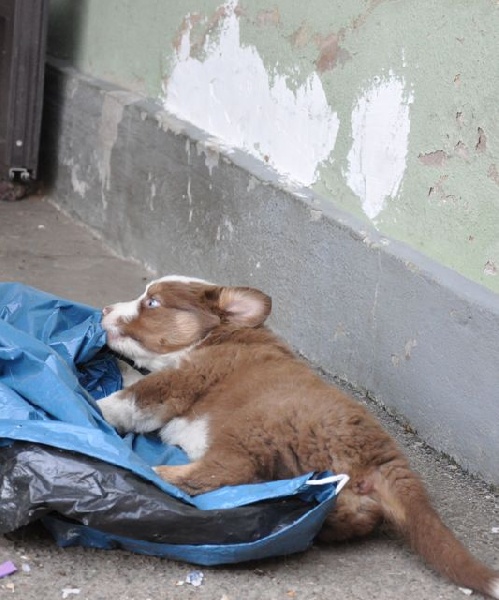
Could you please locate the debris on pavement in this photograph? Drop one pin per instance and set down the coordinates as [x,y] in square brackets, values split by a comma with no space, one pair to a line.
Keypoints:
[194,578]
[66,592]
[7,568]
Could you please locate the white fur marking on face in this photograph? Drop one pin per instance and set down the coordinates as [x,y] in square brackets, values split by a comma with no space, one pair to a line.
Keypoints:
[120,411]
[126,310]
[130,348]
[178,278]
[121,311]
[494,588]
[190,435]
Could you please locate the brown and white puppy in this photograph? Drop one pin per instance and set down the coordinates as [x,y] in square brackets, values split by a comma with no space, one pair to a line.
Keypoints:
[246,409]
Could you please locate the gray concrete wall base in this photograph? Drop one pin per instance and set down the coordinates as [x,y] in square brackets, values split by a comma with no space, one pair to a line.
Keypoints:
[419,338]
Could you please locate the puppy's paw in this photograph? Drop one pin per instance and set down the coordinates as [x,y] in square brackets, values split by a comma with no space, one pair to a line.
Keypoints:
[122,412]
[190,478]
[117,410]
[174,474]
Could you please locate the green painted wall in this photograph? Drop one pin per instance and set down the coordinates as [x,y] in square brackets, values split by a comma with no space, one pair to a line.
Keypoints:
[401,86]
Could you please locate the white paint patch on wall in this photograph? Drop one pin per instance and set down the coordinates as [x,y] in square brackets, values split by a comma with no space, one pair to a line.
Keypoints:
[79,186]
[380,132]
[230,95]
[112,113]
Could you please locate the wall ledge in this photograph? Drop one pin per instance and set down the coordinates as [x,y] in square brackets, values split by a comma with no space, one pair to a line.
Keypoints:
[422,339]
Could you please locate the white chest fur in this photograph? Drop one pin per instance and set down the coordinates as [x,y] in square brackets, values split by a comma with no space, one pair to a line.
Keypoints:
[190,434]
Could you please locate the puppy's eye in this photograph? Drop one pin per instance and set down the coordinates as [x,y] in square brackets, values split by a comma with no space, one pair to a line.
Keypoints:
[152,303]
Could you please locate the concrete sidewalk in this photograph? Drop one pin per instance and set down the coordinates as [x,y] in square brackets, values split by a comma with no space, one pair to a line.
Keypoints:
[41,247]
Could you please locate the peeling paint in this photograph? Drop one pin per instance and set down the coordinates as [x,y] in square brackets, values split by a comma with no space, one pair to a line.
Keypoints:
[112,113]
[438,188]
[406,355]
[79,186]
[493,173]
[298,85]
[230,94]
[461,150]
[189,196]
[225,231]
[330,53]
[300,37]
[70,88]
[481,145]
[152,195]
[166,123]
[380,132]
[490,269]
[410,345]
[211,154]
[433,159]
[269,16]
[361,20]
[253,182]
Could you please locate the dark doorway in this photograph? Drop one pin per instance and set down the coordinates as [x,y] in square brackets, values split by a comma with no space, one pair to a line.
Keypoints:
[23,29]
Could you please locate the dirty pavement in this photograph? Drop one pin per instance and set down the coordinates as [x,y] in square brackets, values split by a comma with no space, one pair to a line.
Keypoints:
[42,247]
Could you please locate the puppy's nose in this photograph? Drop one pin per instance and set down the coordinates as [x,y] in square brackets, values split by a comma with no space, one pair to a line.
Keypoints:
[106,310]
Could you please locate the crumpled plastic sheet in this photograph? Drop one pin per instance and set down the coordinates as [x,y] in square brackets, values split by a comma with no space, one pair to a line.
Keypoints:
[61,463]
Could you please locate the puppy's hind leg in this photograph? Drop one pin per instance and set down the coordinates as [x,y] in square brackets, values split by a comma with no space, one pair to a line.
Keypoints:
[208,474]
[354,516]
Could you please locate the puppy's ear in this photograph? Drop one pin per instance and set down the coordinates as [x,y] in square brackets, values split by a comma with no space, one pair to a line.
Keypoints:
[243,306]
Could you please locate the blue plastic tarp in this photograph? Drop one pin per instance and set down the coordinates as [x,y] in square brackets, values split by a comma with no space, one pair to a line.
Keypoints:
[62,463]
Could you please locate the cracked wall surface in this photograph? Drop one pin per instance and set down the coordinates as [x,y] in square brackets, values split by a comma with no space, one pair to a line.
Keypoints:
[386,108]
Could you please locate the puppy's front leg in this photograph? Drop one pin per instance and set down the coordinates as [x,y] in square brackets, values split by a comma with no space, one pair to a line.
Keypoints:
[146,405]
[122,412]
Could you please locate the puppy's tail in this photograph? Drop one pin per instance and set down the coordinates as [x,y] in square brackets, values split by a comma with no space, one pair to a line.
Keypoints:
[405,504]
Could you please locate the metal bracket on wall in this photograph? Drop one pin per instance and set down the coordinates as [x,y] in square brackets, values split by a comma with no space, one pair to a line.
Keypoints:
[19,175]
